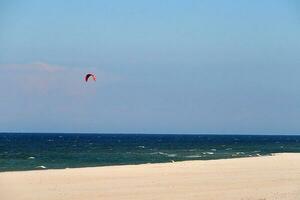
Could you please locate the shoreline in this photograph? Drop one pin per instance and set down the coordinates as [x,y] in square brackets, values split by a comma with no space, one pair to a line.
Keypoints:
[251,178]
[147,164]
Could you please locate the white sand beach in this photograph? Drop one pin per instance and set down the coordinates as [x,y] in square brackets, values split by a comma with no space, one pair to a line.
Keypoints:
[254,178]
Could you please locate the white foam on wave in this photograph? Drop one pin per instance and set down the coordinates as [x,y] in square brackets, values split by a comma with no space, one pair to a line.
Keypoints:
[167,154]
[41,167]
[209,153]
[31,157]
[194,156]
[238,153]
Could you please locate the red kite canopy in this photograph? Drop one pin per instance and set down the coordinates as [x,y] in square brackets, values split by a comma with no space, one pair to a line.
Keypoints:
[88,76]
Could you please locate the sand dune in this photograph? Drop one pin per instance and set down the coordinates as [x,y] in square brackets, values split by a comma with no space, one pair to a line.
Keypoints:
[259,178]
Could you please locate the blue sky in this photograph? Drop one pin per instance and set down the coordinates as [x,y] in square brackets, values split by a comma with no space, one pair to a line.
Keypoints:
[162,66]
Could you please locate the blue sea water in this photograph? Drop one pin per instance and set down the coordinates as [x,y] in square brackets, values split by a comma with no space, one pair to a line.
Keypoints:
[26,151]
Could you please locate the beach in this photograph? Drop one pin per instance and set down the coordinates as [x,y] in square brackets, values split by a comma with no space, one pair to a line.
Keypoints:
[257,178]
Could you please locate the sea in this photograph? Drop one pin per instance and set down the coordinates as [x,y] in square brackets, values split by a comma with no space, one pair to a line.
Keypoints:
[33,151]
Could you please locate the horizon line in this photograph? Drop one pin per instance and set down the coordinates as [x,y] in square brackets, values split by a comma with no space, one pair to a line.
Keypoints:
[145,133]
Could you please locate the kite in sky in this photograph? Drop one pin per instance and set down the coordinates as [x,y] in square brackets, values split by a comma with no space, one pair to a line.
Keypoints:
[87,77]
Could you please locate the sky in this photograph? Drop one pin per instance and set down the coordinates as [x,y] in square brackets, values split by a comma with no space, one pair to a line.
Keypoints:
[210,66]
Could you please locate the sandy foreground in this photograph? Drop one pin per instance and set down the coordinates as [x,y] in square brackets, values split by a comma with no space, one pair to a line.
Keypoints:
[259,178]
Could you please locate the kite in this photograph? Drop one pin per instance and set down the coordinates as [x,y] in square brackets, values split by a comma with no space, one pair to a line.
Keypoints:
[88,76]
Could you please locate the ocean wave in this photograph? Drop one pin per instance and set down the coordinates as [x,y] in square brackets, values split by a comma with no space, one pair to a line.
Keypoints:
[192,149]
[193,156]
[167,154]
[31,157]
[41,167]
[209,153]
[240,153]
